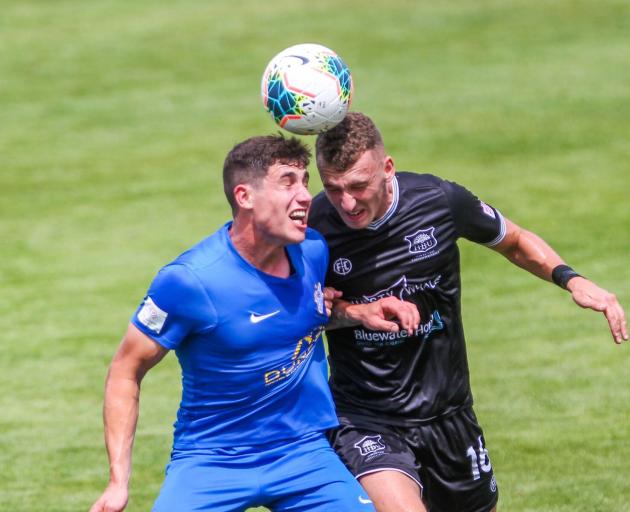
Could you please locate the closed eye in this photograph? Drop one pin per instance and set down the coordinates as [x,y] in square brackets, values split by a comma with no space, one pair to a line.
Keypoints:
[359,186]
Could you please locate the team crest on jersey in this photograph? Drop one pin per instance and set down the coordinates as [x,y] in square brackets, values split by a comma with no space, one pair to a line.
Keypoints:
[370,446]
[421,241]
[342,266]
[422,244]
[318,296]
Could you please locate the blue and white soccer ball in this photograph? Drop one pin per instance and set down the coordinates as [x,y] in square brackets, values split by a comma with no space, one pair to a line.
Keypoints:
[307,89]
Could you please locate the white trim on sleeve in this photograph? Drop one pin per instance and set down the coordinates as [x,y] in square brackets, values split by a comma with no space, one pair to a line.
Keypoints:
[501,234]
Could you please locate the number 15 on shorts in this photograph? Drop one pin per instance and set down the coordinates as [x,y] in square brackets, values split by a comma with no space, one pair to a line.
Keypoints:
[479,459]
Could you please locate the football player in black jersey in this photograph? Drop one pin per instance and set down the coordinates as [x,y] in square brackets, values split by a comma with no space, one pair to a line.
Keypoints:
[408,430]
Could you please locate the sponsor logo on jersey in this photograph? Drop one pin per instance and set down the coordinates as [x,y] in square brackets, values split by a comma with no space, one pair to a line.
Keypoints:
[342,266]
[318,297]
[370,446]
[365,337]
[493,484]
[151,316]
[255,317]
[301,353]
[402,289]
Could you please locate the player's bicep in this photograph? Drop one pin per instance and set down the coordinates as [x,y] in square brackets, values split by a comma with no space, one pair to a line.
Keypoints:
[510,241]
[136,354]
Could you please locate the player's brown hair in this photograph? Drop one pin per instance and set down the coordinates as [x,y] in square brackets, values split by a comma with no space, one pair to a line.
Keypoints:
[341,146]
[248,161]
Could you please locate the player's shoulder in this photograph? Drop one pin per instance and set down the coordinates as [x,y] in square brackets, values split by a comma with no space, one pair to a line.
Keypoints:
[174,286]
[187,270]
[420,188]
[415,180]
[314,245]
[208,252]
[419,185]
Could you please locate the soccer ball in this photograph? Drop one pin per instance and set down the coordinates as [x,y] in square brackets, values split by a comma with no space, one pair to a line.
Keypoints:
[307,89]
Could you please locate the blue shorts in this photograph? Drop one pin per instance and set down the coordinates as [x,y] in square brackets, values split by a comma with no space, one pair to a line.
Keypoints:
[297,475]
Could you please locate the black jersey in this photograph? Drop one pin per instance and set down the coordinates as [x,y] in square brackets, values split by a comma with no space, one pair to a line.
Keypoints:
[405,378]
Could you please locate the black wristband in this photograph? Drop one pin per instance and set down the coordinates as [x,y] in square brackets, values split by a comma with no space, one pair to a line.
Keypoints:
[561,275]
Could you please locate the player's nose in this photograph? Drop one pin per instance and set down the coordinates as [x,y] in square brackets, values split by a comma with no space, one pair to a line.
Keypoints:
[348,202]
[303,195]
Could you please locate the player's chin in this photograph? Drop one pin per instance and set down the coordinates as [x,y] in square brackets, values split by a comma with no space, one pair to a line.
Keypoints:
[297,232]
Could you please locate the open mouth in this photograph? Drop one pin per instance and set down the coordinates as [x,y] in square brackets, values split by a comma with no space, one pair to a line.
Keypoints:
[298,217]
[354,216]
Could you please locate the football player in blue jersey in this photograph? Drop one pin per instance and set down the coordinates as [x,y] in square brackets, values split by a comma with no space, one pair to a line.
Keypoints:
[243,310]
[408,430]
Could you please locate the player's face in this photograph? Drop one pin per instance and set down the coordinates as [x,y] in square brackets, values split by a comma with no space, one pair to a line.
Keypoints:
[362,193]
[281,204]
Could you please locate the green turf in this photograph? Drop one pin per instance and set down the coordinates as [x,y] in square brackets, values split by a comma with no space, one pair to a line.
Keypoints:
[114,120]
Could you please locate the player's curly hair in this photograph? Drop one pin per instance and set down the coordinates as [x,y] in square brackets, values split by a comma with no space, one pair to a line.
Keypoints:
[248,161]
[341,146]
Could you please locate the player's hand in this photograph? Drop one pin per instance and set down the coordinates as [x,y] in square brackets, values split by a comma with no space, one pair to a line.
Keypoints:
[388,314]
[330,294]
[587,294]
[114,499]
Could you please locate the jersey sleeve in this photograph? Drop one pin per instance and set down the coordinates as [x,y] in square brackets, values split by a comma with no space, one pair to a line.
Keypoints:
[176,306]
[474,220]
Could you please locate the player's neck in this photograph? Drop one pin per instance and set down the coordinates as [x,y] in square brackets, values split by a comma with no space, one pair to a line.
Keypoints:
[268,257]
[386,204]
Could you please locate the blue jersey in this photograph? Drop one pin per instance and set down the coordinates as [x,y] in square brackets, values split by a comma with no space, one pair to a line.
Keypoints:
[249,344]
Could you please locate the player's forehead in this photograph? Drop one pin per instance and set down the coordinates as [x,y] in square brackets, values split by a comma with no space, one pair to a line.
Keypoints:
[363,169]
[279,170]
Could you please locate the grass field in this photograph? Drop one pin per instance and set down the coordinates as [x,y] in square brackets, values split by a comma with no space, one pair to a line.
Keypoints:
[114,120]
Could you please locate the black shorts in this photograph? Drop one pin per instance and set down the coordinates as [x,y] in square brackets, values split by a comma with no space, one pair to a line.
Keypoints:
[447,457]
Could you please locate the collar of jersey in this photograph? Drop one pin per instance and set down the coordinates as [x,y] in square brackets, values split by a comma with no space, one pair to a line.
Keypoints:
[375,224]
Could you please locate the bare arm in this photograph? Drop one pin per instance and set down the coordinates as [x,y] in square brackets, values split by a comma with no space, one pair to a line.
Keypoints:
[378,315]
[136,355]
[530,252]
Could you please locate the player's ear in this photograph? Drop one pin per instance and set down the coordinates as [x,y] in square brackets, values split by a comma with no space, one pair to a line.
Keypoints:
[243,196]
[390,168]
